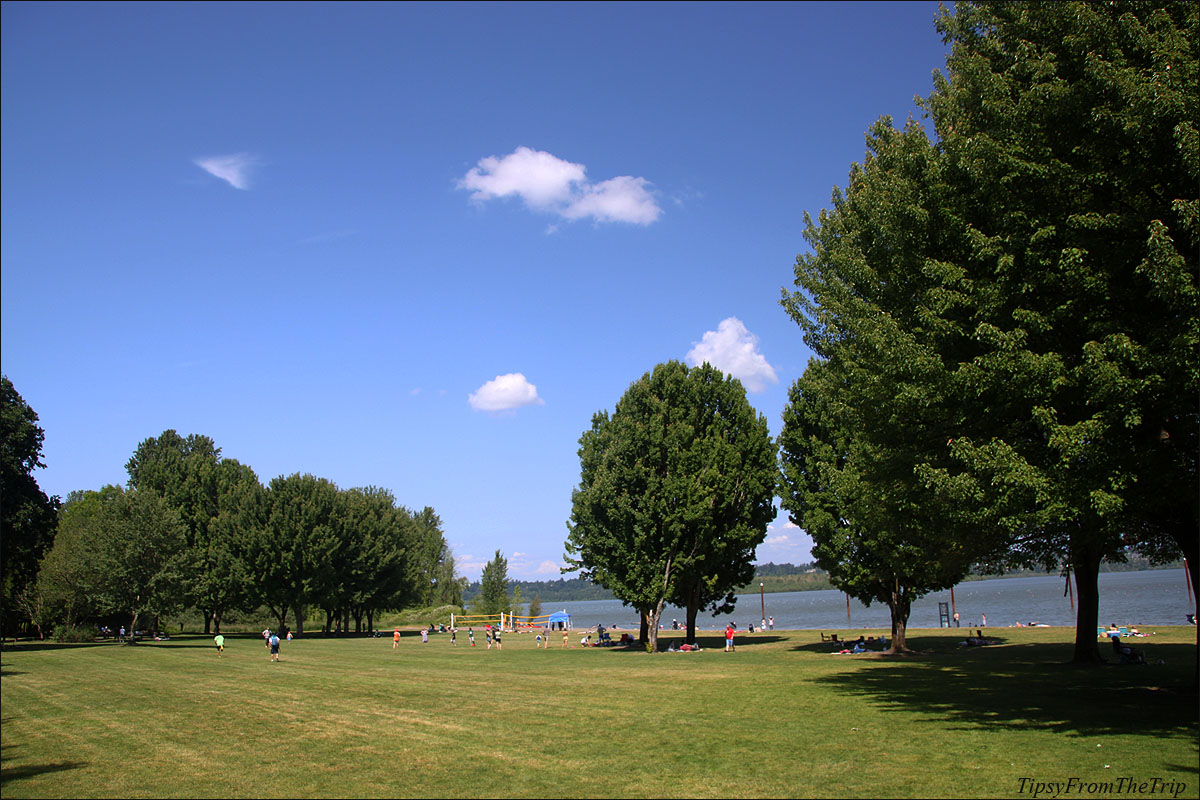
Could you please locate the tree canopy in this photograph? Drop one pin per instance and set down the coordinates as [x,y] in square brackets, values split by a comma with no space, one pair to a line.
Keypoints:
[675,494]
[1023,291]
[27,515]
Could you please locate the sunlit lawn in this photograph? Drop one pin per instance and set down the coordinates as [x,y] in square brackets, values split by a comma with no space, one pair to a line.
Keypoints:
[781,717]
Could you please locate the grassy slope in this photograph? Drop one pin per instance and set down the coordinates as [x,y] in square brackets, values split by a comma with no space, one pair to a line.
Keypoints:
[780,717]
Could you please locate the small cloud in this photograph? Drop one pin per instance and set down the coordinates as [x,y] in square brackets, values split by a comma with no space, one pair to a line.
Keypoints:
[734,350]
[549,184]
[233,169]
[549,568]
[794,547]
[505,393]
[415,392]
[622,199]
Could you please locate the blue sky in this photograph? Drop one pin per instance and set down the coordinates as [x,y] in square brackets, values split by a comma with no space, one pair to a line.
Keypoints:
[417,246]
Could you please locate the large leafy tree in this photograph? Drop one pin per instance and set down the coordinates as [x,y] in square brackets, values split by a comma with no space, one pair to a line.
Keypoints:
[297,557]
[136,546]
[69,578]
[432,560]
[675,493]
[1037,271]
[185,471]
[221,579]
[880,298]
[1072,130]
[27,515]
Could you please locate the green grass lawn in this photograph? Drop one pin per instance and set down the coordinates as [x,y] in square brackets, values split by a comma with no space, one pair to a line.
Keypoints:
[780,717]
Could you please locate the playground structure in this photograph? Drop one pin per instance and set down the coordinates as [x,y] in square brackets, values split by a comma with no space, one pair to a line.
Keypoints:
[559,621]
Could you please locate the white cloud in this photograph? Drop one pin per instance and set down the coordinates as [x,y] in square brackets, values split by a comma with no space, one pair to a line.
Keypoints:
[505,393]
[786,543]
[622,199]
[233,169]
[549,184]
[734,350]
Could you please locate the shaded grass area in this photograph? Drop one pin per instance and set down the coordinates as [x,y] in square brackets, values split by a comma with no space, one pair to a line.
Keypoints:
[781,717]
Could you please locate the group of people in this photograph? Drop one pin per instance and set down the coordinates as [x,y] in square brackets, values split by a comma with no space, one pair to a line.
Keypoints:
[270,642]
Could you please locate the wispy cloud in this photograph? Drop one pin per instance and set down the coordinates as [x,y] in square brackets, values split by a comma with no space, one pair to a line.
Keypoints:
[549,184]
[233,169]
[734,350]
[505,393]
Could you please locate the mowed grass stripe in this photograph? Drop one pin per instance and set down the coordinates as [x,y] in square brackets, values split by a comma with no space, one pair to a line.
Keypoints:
[781,717]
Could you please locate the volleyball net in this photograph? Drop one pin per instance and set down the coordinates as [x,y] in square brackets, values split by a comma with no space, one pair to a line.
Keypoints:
[511,622]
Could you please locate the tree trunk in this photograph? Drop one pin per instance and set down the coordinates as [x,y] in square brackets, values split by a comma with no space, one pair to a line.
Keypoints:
[691,624]
[1085,561]
[370,621]
[208,618]
[655,619]
[693,608]
[644,632]
[900,605]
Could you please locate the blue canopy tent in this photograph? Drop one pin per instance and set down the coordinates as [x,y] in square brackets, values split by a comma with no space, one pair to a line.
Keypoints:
[560,620]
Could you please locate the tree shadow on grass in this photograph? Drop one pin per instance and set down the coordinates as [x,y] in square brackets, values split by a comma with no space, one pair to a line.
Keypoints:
[705,643]
[1028,686]
[8,774]
[919,645]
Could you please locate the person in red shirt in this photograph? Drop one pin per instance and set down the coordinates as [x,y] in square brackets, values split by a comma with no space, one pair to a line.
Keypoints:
[729,637]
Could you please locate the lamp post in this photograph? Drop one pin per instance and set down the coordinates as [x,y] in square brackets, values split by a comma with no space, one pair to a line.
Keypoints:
[763,600]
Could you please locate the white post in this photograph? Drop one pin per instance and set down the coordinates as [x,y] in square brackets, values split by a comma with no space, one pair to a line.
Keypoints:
[451,620]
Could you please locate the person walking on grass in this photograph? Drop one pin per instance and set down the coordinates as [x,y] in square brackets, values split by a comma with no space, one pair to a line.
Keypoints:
[273,646]
[395,638]
[496,636]
[220,642]
[566,638]
[454,637]
[729,637]
[471,636]
[487,634]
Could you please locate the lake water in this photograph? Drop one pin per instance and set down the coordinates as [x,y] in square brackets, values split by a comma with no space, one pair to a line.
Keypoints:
[1149,597]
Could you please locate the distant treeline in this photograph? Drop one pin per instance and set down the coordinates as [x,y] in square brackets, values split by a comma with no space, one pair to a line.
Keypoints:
[773,577]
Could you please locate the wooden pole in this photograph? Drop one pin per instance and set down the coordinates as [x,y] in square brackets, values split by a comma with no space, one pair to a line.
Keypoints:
[847,608]
[1187,573]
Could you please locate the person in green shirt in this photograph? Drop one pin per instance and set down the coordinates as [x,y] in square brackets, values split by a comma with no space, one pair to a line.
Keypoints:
[220,641]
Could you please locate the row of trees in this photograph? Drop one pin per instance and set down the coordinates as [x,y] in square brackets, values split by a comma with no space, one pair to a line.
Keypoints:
[195,530]
[1005,319]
